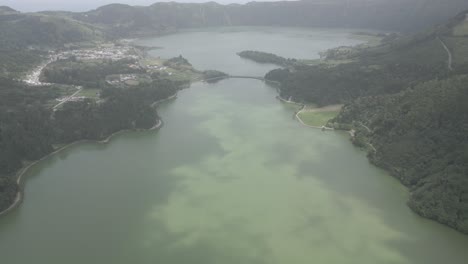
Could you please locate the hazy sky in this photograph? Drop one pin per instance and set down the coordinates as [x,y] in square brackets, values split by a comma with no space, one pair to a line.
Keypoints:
[83,5]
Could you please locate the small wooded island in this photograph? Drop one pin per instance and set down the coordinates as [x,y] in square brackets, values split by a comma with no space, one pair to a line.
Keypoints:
[265,57]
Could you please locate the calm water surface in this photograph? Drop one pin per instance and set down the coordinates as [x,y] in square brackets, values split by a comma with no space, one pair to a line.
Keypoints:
[231,178]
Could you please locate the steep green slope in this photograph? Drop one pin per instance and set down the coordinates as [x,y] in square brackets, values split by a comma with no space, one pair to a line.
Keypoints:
[118,20]
[4,10]
[406,104]
[421,136]
[29,129]
[388,68]
[399,15]
[19,31]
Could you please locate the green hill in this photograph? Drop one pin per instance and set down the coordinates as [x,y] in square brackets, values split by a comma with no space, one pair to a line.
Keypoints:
[398,15]
[408,108]
[420,136]
[19,31]
[7,10]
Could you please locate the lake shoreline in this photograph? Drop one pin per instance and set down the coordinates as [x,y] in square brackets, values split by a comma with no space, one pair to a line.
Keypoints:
[20,175]
[303,106]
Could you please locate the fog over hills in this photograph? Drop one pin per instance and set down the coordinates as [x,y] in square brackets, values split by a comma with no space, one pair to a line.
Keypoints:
[404,98]
[397,15]
[79,6]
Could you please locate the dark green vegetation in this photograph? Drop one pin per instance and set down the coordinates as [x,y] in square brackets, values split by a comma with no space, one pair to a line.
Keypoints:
[264,57]
[29,129]
[177,62]
[19,31]
[400,15]
[25,38]
[13,63]
[90,74]
[388,68]
[421,137]
[45,30]
[120,109]
[117,20]
[407,108]
[24,131]
[388,89]
[214,76]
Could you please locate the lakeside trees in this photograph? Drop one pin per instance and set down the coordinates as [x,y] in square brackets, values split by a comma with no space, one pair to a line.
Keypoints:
[28,129]
[421,137]
[407,108]
[264,57]
[323,85]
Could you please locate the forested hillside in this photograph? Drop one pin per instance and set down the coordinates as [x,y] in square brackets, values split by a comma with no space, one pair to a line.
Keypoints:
[406,104]
[397,15]
[18,30]
[405,99]
[391,67]
[421,137]
[29,129]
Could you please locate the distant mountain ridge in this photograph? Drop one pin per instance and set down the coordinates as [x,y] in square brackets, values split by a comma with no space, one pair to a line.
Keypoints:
[395,15]
[7,9]
[121,21]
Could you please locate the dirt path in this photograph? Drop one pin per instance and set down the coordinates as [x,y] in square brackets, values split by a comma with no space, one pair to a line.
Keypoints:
[449,53]
[366,127]
[68,98]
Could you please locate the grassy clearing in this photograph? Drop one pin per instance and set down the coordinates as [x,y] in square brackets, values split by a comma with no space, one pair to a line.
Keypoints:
[317,118]
[371,40]
[63,90]
[152,62]
[291,106]
[461,29]
[182,75]
[90,93]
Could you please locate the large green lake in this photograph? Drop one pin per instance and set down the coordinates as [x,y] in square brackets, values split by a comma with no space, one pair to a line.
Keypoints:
[231,178]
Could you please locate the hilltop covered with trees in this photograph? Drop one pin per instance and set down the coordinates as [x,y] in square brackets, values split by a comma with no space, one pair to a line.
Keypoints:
[121,19]
[52,29]
[265,57]
[421,137]
[407,107]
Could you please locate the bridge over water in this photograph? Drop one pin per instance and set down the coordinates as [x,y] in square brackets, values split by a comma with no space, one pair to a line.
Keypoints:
[243,77]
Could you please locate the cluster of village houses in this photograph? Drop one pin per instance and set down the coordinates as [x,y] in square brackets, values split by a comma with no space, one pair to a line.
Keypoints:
[103,52]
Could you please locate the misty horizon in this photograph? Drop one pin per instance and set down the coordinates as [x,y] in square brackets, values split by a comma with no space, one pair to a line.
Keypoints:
[86,5]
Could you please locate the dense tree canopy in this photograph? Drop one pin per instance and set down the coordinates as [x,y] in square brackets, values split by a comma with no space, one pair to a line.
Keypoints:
[28,129]
[407,107]
[421,137]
